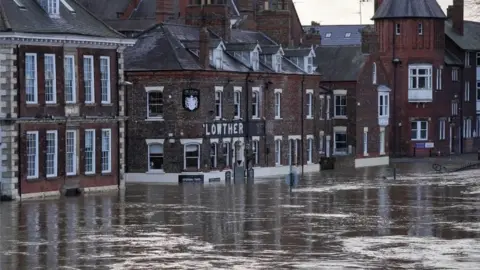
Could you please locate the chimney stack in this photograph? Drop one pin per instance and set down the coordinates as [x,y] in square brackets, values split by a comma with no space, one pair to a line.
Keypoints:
[204,51]
[449,12]
[369,40]
[164,10]
[457,16]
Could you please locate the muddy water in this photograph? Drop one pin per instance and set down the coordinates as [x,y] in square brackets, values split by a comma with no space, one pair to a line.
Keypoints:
[330,221]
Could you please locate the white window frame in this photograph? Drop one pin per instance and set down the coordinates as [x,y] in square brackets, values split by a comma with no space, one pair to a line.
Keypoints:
[213,155]
[255,60]
[218,102]
[397,29]
[226,154]
[382,141]
[93,157]
[277,62]
[418,129]
[341,97]
[439,78]
[52,80]
[33,80]
[154,89]
[255,103]
[467,91]
[237,102]
[105,89]
[309,149]
[55,153]
[185,154]
[467,128]
[73,152]
[454,74]
[53,7]
[454,108]
[420,29]
[35,158]
[73,79]
[335,151]
[329,100]
[441,128]
[89,81]
[365,141]
[150,143]
[383,104]
[278,103]
[467,59]
[309,104]
[218,58]
[416,77]
[321,107]
[374,73]
[309,64]
[255,152]
[278,150]
[106,168]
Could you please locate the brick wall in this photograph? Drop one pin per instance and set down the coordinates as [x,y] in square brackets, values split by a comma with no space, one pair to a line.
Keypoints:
[183,124]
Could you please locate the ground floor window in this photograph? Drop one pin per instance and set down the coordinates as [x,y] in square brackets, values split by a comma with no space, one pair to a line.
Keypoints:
[89,151]
[155,156]
[32,154]
[226,153]
[467,128]
[51,153]
[213,155]
[441,129]
[309,150]
[278,145]
[419,130]
[106,150]
[340,142]
[255,152]
[71,152]
[192,156]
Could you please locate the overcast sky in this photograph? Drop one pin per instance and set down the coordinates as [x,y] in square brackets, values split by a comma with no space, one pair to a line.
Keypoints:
[340,11]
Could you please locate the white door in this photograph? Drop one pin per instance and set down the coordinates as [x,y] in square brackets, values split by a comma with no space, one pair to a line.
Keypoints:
[450,139]
[327,146]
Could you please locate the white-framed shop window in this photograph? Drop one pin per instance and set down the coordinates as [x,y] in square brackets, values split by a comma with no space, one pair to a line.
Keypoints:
[106,158]
[51,153]
[255,151]
[309,149]
[155,155]
[213,155]
[90,153]
[419,130]
[71,152]
[278,150]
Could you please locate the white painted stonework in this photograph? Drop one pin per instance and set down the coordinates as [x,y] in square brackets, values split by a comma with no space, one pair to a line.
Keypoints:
[372,162]
[259,172]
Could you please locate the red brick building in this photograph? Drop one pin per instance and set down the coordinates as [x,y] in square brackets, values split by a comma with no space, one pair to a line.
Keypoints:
[208,97]
[62,118]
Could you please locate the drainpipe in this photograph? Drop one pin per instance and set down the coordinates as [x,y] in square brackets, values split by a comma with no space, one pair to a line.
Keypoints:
[119,170]
[394,86]
[247,123]
[19,131]
[302,121]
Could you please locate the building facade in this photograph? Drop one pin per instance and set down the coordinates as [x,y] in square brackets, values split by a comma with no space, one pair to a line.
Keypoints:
[208,98]
[62,118]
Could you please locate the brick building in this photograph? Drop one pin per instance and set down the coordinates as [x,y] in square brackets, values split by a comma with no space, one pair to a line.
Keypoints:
[62,116]
[429,60]
[207,96]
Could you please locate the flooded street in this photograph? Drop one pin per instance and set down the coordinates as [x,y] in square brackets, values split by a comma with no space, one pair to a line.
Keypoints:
[329,221]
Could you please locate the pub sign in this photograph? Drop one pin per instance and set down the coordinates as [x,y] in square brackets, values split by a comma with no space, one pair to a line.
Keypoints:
[191,99]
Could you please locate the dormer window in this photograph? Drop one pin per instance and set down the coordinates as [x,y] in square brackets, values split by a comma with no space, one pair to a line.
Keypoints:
[218,58]
[328,35]
[52,7]
[309,64]
[347,35]
[255,60]
[277,62]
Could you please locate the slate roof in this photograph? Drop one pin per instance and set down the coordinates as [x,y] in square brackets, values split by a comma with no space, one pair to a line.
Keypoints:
[409,9]
[337,34]
[470,40]
[452,59]
[33,19]
[171,47]
[297,52]
[339,63]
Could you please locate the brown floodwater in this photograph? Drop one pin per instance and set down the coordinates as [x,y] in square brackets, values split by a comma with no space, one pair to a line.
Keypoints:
[331,220]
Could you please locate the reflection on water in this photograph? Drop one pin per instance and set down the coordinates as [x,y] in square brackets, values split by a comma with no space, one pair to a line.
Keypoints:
[330,221]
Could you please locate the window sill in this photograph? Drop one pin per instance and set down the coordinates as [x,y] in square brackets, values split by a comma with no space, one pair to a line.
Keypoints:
[51,104]
[32,178]
[278,165]
[71,174]
[107,104]
[309,117]
[155,172]
[382,153]
[419,140]
[309,163]
[365,154]
[218,118]
[51,177]
[278,118]
[70,103]
[237,118]
[90,104]
[255,118]
[154,119]
[89,174]
[32,103]
[340,117]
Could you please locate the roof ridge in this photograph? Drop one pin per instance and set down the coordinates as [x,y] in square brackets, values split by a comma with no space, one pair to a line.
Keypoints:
[4,16]
[98,19]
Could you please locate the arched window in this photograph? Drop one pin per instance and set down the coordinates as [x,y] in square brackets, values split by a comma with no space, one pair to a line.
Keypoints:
[155,156]
[374,73]
[192,156]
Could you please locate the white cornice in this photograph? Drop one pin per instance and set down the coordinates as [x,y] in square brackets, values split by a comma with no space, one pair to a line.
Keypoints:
[64,39]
